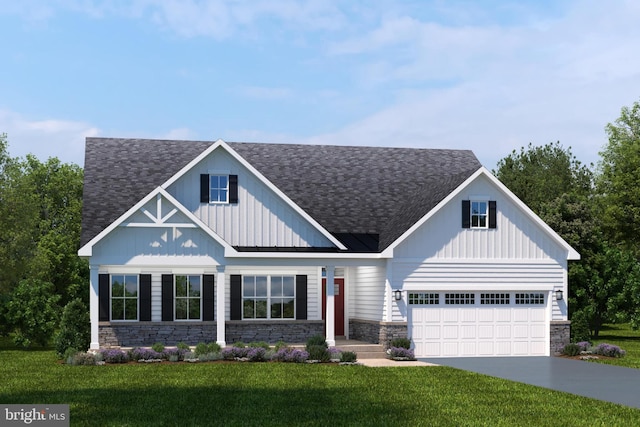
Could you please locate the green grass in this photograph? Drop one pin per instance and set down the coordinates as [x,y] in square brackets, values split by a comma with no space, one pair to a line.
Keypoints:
[264,394]
[624,337]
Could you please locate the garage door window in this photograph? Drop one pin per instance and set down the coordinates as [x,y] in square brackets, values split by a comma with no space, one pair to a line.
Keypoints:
[459,299]
[530,299]
[423,298]
[494,299]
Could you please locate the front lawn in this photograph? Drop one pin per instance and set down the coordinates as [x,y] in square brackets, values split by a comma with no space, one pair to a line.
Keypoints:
[624,337]
[263,394]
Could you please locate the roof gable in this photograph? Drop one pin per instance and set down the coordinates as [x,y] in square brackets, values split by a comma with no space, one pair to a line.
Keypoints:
[377,192]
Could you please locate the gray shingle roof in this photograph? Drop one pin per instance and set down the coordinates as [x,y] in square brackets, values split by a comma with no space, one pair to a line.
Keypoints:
[359,190]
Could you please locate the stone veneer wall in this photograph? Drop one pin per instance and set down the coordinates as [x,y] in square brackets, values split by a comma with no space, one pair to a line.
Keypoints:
[377,332]
[559,334]
[145,334]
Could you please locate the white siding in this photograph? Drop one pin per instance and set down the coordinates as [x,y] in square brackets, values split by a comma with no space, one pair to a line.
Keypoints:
[367,293]
[260,218]
[314,306]
[517,236]
[157,246]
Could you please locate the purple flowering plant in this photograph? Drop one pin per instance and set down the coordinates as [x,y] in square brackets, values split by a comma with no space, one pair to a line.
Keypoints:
[114,355]
[293,355]
[144,354]
[401,353]
[609,350]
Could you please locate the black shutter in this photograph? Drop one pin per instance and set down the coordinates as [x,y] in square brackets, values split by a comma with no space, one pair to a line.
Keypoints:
[233,188]
[145,298]
[204,188]
[236,297]
[466,214]
[167,297]
[492,214]
[103,297]
[301,297]
[207,296]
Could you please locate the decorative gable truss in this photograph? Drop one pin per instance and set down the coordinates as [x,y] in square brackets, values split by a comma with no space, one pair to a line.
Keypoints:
[159,210]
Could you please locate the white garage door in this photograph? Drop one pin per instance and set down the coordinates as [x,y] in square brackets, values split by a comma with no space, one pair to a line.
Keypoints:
[466,324]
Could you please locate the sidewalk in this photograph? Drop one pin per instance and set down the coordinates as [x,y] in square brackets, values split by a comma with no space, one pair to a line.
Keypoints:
[378,363]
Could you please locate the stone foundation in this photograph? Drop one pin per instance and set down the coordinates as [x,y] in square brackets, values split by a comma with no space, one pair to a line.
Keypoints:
[145,334]
[559,334]
[377,332]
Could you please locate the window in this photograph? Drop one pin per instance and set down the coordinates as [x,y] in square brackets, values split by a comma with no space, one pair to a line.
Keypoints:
[188,291]
[268,297]
[479,214]
[124,297]
[530,298]
[218,188]
[494,299]
[459,299]
[422,298]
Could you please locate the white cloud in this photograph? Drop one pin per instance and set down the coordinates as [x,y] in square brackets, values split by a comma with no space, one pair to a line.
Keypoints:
[46,138]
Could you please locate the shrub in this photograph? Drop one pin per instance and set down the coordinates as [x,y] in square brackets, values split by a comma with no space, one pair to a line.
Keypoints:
[257,354]
[571,349]
[584,345]
[75,328]
[288,354]
[158,347]
[609,350]
[173,354]
[183,346]
[317,340]
[348,357]
[69,353]
[233,352]
[34,312]
[213,347]
[81,358]
[239,344]
[401,343]
[401,353]
[579,327]
[319,352]
[144,354]
[280,345]
[201,348]
[114,355]
[259,344]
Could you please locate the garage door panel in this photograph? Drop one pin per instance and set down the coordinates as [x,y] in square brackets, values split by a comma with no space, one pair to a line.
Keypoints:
[488,329]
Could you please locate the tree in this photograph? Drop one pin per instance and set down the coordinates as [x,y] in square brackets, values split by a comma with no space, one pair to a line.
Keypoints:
[33,312]
[555,185]
[619,177]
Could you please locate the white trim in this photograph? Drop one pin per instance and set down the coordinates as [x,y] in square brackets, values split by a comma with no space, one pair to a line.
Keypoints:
[261,177]
[572,254]
[87,250]
[483,287]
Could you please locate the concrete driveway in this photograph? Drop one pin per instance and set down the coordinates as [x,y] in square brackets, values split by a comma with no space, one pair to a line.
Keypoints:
[603,382]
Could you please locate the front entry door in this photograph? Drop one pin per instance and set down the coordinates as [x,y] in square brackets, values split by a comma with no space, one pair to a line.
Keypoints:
[339,305]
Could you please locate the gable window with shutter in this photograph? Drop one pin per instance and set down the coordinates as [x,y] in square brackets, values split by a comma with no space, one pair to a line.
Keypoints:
[479,214]
[218,188]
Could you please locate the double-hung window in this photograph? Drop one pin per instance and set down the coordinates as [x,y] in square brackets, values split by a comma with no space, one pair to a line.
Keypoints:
[188,297]
[268,297]
[479,214]
[124,297]
[218,188]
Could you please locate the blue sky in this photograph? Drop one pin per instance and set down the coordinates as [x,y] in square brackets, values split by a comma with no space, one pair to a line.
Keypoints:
[490,76]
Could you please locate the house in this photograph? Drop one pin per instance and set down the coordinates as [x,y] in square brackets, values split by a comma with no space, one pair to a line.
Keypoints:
[216,241]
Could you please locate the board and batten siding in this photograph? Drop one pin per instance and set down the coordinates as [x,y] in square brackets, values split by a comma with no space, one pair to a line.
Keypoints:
[516,235]
[314,306]
[367,293]
[260,218]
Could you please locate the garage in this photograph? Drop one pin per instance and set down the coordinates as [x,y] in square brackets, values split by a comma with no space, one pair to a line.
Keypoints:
[479,323]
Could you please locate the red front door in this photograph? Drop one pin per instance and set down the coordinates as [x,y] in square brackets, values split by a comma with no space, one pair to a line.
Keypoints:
[339,305]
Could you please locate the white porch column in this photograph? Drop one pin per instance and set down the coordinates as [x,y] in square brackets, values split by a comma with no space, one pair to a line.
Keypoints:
[94,306]
[329,315]
[220,306]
